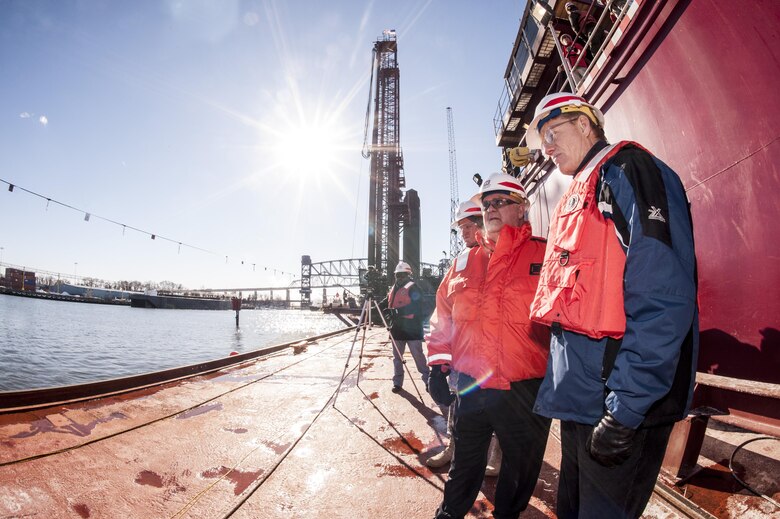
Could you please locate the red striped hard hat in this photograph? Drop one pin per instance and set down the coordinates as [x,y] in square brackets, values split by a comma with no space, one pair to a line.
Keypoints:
[500,183]
[466,209]
[554,105]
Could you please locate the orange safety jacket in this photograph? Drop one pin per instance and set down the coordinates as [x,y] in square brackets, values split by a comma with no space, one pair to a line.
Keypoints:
[400,298]
[481,325]
[581,284]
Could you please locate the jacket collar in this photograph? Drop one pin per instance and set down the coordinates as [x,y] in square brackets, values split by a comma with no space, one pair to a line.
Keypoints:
[509,238]
[600,145]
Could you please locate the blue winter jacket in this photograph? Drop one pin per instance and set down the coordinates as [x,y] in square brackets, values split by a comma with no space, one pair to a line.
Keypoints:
[654,369]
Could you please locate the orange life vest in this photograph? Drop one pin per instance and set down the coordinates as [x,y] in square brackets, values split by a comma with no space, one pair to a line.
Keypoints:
[581,283]
[400,298]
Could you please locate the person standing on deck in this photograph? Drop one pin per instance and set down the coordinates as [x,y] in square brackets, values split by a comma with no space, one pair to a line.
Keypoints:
[481,329]
[405,303]
[618,287]
[468,220]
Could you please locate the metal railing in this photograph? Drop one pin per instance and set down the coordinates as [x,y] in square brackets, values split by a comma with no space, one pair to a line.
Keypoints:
[507,96]
[607,39]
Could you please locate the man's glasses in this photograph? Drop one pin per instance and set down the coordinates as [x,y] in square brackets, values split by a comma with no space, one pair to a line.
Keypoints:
[498,203]
[549,135]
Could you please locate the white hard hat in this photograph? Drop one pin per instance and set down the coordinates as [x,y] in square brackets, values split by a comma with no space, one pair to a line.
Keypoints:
[403,267]
[466,209]
[554,105]
[502,183]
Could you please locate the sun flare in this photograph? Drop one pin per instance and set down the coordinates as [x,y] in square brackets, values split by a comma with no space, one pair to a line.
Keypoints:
[308,150]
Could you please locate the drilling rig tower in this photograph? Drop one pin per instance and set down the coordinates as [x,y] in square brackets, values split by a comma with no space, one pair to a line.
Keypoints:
[390,210]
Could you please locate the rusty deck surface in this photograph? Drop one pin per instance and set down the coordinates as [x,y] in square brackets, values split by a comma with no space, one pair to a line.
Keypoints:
[256,440]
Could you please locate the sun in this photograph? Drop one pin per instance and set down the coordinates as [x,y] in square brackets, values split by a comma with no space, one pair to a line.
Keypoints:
[309,149]
[310,142]
[309,154]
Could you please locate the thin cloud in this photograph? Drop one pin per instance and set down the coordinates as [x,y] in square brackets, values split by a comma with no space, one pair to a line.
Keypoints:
[41,119]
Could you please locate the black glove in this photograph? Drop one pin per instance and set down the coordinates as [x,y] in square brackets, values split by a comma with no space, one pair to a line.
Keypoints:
[610,442]
[438,387]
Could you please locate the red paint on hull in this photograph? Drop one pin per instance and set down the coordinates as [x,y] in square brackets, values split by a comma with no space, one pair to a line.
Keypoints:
[702,96]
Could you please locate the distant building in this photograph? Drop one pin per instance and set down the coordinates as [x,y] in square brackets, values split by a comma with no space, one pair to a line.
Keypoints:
[21,280]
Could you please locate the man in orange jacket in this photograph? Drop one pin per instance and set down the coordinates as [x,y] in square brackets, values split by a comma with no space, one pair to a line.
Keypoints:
[468,220]
[481,329]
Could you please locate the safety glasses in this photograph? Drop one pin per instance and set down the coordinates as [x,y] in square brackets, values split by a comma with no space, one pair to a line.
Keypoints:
[498,203]
[548,137]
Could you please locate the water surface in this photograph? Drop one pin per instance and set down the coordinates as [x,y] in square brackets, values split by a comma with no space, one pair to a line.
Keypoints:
[55,343]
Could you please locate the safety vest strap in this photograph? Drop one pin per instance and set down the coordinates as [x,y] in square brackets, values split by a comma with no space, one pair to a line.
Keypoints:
[400,298]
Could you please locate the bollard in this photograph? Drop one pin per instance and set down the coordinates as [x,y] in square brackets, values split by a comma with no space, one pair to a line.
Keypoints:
[236,303]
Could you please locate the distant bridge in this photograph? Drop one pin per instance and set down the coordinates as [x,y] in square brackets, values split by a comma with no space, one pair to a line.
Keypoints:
[343,274]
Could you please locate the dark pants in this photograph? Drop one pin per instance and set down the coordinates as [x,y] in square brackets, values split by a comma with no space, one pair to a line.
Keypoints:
[416,349]
[521,434]
[588,490]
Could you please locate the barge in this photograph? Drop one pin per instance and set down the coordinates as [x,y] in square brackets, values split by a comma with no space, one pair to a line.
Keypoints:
[53,296]
[305,429]
[179,302]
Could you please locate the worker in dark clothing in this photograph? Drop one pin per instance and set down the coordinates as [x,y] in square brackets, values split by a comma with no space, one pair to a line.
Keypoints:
[584,26]
[405,302]
[618,289]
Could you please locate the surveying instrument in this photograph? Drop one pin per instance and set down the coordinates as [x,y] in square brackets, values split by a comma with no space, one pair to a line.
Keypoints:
[364,322]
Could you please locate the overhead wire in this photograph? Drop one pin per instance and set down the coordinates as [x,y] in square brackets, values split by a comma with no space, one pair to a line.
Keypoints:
[365,151]
[152,235]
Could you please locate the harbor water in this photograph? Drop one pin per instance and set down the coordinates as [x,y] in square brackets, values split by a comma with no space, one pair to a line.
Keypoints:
[55,343]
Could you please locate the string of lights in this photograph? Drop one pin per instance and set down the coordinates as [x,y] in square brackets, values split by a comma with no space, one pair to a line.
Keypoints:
[125,227]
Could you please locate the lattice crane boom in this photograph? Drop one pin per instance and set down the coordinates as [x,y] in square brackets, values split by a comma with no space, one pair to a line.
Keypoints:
[456,244]
[386,210]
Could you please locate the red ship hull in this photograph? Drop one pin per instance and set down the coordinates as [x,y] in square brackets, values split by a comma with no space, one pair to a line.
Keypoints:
[695,82]
[702,95]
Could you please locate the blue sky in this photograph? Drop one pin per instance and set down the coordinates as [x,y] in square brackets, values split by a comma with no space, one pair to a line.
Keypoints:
[231,125]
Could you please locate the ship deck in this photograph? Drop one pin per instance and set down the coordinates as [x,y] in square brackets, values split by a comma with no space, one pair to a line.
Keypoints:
[277,436]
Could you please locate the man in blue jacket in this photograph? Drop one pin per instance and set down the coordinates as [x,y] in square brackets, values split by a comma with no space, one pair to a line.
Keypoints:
[618,288]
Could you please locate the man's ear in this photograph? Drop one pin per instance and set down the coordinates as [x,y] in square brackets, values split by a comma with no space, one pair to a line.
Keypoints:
[583,123]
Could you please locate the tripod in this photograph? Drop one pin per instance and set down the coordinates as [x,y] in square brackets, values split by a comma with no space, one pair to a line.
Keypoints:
[363,323]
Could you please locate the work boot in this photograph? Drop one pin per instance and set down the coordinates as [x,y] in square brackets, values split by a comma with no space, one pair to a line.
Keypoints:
[444,457]
[494,458]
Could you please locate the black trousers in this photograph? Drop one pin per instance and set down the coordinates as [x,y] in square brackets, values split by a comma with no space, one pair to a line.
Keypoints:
[522,436]
[589,490]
